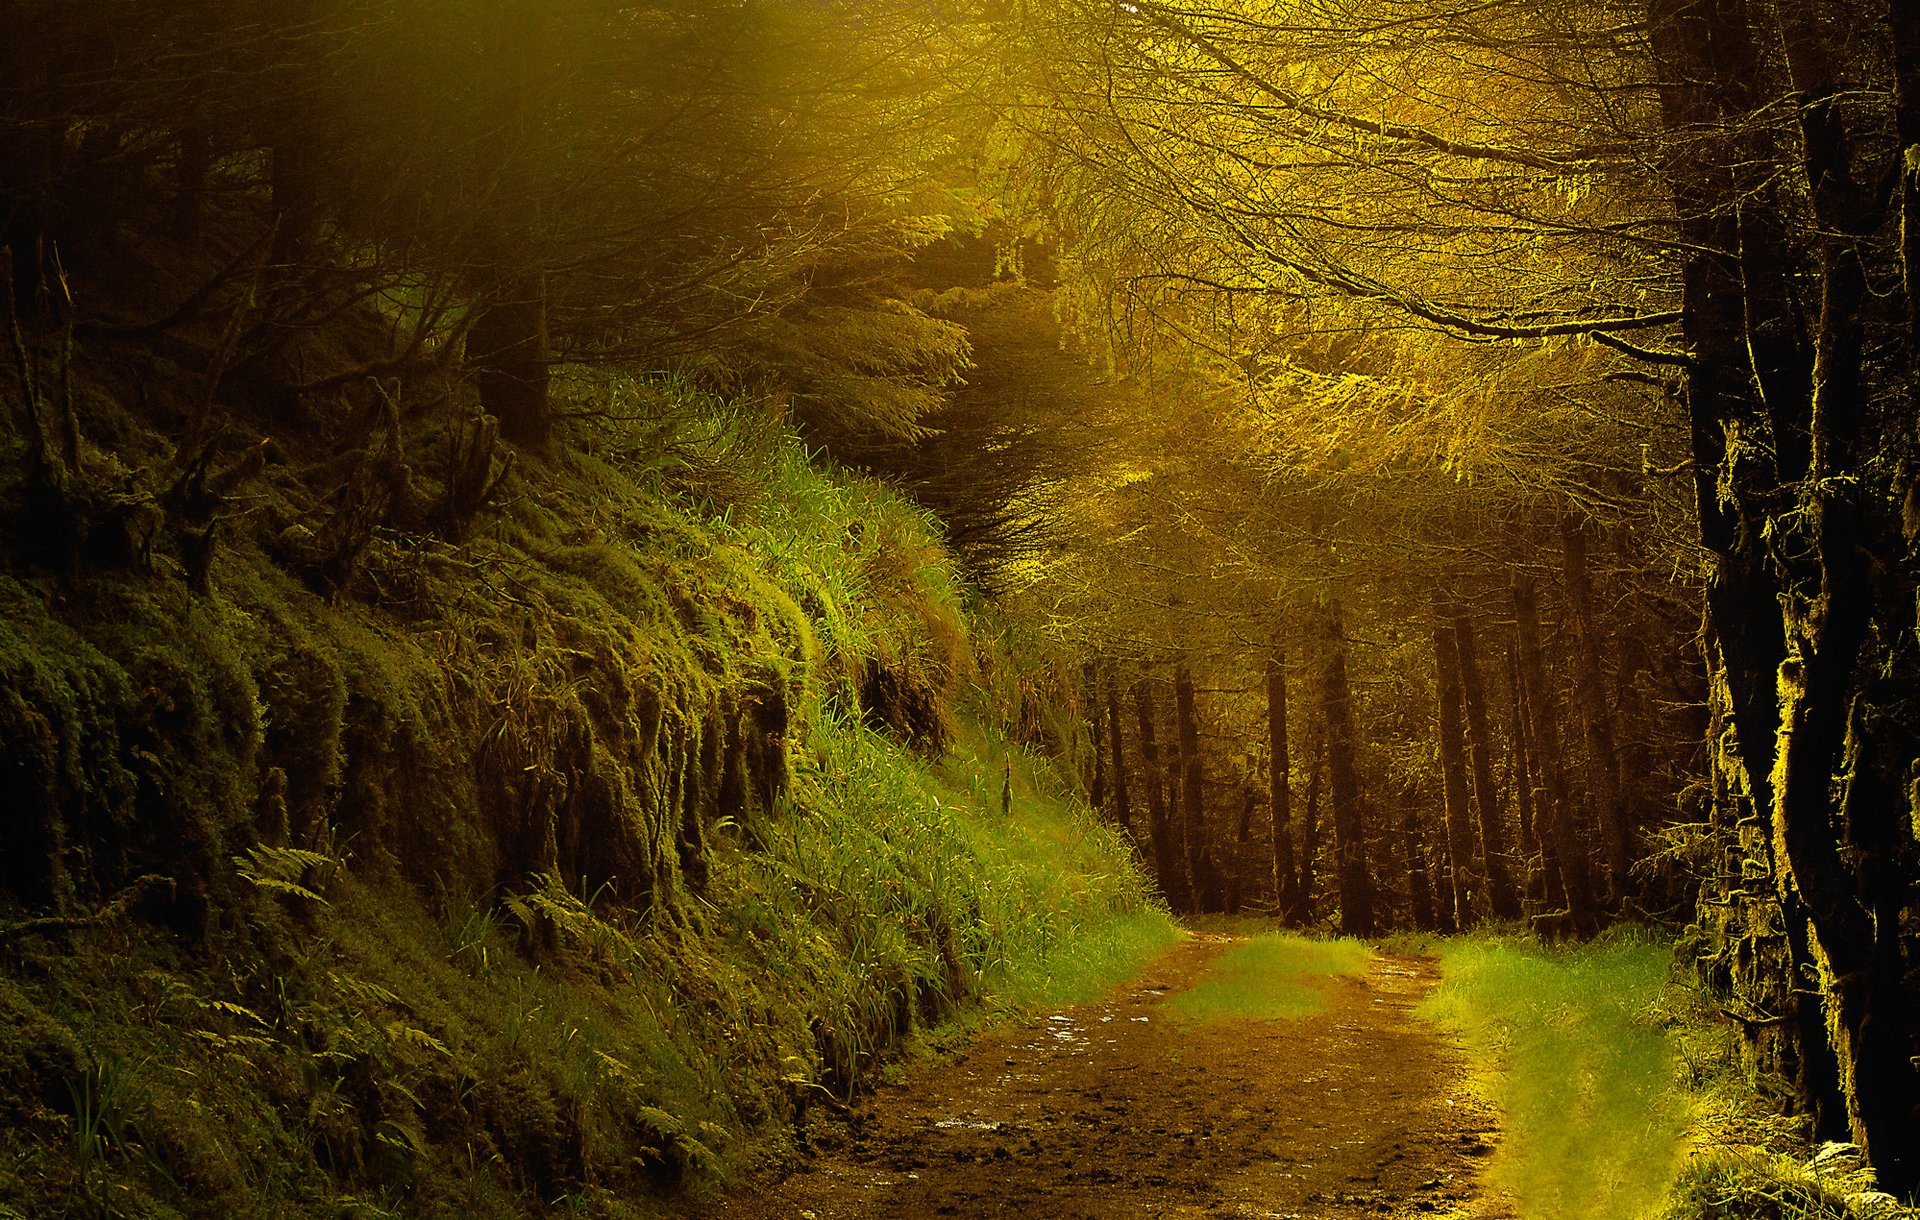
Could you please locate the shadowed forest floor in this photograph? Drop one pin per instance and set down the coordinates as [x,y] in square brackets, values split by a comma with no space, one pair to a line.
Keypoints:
[1122,1109]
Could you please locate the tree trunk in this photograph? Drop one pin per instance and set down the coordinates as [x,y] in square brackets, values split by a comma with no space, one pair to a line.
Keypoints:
[1096,724]
[1310,827]
[1166,855]
[1501,896]
[508,351]
[1203,874]
[1828,618]
[1563,854]
[1414,857]
[1343,787]
[1286,879]
[1525,769]
[1596,714]
[1122,805]
[190,184]
[1453,776]
[1806,539]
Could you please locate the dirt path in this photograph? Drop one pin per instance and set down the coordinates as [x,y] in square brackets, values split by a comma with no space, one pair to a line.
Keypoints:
[1117,1110]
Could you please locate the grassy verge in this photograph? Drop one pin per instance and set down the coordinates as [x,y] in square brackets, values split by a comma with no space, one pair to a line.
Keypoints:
[1623,1094]
[1274,977]
[1570,1045]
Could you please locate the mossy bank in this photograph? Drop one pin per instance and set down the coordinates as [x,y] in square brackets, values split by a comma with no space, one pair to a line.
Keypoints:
[395,832]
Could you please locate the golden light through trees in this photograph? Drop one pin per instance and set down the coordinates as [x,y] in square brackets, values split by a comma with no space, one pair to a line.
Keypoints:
[1481,434]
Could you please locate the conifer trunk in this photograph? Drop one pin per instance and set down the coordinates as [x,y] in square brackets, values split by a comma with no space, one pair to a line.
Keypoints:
[1310,827]
[1286,878]
[1203,875]
[1419,886]
[1167,864]
[1343,787]
[1096,726]
[1122,804]
[1563,854]
[1453,776]
[1494,867]
[1596,714]
[1525,768]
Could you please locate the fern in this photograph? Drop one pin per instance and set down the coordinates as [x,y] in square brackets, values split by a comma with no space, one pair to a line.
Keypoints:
[284,870]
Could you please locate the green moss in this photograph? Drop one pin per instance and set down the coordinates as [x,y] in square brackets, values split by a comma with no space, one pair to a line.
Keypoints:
[562,870]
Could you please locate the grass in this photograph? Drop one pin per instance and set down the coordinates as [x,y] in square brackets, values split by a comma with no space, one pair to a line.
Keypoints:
[1625,1095]
[1273,977]
[1571,1045]
[898,896]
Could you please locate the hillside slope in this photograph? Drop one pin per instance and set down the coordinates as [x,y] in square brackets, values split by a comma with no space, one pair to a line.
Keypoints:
[398,830]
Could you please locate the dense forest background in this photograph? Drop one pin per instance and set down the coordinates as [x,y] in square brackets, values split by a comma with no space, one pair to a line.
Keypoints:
[1413,466]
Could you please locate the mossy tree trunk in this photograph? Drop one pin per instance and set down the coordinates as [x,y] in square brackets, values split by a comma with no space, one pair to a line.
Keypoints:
[1811,592]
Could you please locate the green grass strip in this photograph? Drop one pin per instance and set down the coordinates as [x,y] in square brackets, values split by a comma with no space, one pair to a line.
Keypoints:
[1273,977]
[1570,1047]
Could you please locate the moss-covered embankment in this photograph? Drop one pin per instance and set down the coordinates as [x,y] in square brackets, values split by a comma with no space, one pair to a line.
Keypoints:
[369,851]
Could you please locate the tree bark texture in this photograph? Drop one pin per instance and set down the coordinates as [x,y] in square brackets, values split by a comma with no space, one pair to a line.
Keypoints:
[1525,769]
[1596,714]
[1096,738]
[1413,855]
[1310,826]
[1811,590]
[1563,854]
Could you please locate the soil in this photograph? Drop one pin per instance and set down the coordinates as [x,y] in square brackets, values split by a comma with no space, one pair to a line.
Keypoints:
[1119,1109]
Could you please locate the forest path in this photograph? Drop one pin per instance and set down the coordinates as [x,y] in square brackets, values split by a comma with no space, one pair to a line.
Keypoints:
[1119,1109]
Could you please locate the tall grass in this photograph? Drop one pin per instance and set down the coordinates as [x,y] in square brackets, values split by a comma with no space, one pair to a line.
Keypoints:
[897,894]
[1571,1047]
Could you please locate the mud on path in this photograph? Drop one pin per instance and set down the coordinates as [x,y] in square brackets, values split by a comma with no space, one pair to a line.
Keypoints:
[1120,1110]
